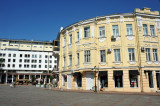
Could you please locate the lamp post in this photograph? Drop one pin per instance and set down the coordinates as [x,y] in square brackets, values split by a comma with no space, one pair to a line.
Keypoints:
[95,80]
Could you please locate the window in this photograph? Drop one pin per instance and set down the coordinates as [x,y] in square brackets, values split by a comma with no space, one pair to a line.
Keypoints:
[50,56]
[129,29]
[86,32]
[117,55]
[115,30]
[40,61]
[4,55]
[77,58]
[45,61]
[64,61]
[9,55]
[46,56]
[50,66]
[86,56]
[145,29]
[131,54]
[148,54]
[50,61]
[55,66]
[118,79]
[20,60]
[150,77]
[14,60]
[103,76]
[40,56]
[70,39]
[55,61]
[4,44]
[133,77]
[70,60]
[77,36]
[152,30]
[20,55]
[103,55]
[8,65]
[64,41]
[79,80]
[13,65]
[9,60]
[39,66]
[45,66]
[20,65]
[155,55]
[101,32]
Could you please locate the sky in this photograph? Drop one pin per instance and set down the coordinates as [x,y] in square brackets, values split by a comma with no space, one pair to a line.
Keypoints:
[42,19]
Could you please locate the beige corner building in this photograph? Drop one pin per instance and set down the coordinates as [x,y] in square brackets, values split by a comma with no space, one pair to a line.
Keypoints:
[119,52]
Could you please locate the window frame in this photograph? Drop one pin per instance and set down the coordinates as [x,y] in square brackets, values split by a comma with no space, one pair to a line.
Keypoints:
[115,30]
[117,55]
[102,55]
[148,54]
[86,32]
[131,53]
[145,29]
[129,29]
[102,31]
[87,56]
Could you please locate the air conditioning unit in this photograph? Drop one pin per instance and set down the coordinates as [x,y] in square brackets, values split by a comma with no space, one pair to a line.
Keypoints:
[109,50]
[113,37]
[142,48]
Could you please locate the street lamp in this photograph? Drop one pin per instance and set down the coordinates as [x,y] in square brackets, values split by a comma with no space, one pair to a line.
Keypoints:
[95,90]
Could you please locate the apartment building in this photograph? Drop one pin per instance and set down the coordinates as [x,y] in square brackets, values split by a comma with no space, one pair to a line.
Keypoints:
[119,52]
[24,59]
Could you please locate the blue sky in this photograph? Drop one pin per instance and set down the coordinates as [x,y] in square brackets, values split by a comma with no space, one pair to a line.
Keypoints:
[42,19]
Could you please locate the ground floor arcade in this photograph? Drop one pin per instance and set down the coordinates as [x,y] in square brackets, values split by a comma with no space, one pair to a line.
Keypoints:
[125,80]
[9,77]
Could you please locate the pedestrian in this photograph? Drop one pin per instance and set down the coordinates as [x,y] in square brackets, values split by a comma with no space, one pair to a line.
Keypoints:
[11,85]
[14,84]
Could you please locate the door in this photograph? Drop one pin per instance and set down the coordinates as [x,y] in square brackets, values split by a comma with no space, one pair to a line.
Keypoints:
[69,76]
[90,81]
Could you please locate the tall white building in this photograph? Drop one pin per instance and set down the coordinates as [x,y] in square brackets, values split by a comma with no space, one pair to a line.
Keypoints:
[25,59]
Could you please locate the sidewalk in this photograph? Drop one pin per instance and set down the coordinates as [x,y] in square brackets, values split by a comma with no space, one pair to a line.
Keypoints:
[105,92]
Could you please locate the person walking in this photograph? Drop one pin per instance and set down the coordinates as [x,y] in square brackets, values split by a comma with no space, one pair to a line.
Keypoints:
[14,84]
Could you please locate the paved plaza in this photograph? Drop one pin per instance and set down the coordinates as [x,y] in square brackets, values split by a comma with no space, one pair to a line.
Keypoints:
[32,96]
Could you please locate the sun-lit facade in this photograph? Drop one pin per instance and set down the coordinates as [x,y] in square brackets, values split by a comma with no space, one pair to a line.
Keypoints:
[122,49]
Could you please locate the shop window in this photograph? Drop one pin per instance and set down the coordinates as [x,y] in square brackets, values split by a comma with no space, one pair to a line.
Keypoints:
[79,80]
[158,79]
[103,76]
[133,77]
[150,77]
[118,79]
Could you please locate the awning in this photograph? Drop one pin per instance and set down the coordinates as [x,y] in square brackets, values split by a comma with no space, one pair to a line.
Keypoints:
[133,72]
[103,73]
[118,73]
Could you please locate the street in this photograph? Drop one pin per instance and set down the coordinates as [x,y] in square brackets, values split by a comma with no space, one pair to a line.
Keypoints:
[32,96]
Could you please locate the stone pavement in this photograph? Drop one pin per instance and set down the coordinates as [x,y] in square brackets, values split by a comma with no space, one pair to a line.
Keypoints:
[32,96]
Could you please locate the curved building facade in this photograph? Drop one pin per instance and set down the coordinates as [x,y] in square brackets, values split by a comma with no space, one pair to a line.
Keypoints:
[117,52]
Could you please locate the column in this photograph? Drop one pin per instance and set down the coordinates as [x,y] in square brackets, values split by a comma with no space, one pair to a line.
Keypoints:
[40,76]
[35,76]
[6,77]
[24,76]
[18,76]
[0,78]
[49,80]
[29,77]
[12,77]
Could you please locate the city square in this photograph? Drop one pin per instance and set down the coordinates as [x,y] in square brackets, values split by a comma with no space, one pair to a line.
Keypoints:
[31,96]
